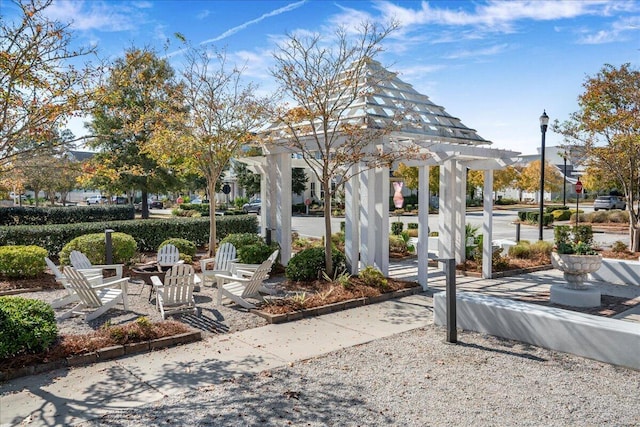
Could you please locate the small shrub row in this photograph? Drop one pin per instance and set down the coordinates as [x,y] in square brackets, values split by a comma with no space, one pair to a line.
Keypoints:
[22,261]
[26,326]
[251,247]
[532,217]
[309,264]
[506,201]
[20,215]
[149,233]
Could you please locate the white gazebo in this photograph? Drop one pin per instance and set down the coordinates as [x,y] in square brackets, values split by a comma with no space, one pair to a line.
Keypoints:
[430,137]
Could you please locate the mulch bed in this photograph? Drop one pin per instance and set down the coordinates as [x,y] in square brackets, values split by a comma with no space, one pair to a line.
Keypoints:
[321,292]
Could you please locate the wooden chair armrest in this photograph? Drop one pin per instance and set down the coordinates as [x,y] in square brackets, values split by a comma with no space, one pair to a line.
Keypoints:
[156,282]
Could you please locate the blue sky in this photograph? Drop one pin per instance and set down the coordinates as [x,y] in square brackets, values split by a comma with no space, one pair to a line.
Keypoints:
[494,64]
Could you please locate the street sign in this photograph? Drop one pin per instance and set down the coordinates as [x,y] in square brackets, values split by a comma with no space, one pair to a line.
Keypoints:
[578,187]
[226,189]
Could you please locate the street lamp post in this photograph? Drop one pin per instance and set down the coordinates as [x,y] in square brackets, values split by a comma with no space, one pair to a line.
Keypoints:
[544,122]
[564,183]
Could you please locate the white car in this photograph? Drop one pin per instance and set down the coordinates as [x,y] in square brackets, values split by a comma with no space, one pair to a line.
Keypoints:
[96,200]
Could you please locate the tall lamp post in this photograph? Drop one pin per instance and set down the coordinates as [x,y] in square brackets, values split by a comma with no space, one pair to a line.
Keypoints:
[544,122]
[564,180]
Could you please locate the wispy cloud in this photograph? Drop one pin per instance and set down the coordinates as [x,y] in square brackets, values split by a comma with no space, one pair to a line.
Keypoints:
[241,27]
[488,51]
[203,14]
[619,31]
[99,15]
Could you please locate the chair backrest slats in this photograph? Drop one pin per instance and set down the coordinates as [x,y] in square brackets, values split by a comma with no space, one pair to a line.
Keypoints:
[168,255]
[224,255]
[178,284]
[79,260]
[259,276]
[79,283]
[54,269]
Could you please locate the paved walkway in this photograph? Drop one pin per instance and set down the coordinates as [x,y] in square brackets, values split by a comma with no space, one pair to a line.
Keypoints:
[69,396]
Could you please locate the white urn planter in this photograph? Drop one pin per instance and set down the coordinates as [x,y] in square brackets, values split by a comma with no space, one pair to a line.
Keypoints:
[576,268]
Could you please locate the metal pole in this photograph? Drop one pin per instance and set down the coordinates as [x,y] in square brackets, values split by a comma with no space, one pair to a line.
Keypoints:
[564,184]
[543,130]
[517,231]
[108,246]
[450,274]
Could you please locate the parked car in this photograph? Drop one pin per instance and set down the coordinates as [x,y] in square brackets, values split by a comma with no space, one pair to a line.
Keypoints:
[152,204]
[119,200]
[14,196]
[609,202]
[96,200]
[253,206]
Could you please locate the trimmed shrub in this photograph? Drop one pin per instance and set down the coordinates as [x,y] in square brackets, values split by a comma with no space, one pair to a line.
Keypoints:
[184,246]
[412,226]
[201,208]
[309,264]
[506,201]
[551,209]
[149,233]
[522,250]
[541,248]
[619,217]
[93,246]
[396,227]
[240,240]
[373,277]
[22,261]
[561,214]
[20,215]
[397,244]
[26,326]
[598,217]
[256,253]
[619,246]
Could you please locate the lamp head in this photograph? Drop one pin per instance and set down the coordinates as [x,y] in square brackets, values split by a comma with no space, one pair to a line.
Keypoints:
[544,121]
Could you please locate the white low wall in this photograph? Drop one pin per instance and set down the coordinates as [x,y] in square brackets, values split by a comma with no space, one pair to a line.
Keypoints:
[607,340]
[618,272]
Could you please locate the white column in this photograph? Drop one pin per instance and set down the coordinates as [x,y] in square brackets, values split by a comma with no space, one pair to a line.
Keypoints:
[264,197]
[423,226]
[382,215]
[487,224]
[459,209]
[351,218]
[446,223]
[283,205]
[367,218]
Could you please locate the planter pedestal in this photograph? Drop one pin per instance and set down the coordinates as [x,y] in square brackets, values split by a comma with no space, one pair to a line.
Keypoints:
[589,297]
[576,269]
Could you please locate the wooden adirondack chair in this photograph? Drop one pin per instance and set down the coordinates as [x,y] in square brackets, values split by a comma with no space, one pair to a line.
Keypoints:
[94,302]
[168,256]
[79,261]
[239,288]
[93,276]
[175,294]
[225,255]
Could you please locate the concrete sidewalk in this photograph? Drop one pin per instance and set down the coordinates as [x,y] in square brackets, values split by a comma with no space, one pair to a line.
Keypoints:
[69,396]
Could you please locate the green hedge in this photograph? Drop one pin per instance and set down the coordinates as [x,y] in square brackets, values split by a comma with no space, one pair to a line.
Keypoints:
[20,215]
[93,246]
[202,208]
[149,233]
[22,261]
[26,326]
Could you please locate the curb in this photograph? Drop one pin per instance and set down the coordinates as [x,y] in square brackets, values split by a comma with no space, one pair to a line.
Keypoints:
[102,355]
[338,306]
[507,273]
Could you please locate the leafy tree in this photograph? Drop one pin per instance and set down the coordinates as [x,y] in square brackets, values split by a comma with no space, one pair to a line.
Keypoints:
[39,89]
[475,179]
[299,180]
[222,113]
[246,179]
[134,102]
[326,82]
[607,128]
[529,177]
[409,175]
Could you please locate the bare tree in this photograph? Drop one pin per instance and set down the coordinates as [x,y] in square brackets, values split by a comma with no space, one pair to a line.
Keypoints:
[329,127]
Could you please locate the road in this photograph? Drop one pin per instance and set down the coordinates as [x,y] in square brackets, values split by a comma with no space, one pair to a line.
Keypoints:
[503,227]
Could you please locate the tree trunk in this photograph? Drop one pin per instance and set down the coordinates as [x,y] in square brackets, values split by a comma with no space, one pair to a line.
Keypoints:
[212,218]
[634,237]
[328,260]
[145,204]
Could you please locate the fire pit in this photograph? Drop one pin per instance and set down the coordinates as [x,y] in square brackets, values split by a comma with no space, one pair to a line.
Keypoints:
[144,273]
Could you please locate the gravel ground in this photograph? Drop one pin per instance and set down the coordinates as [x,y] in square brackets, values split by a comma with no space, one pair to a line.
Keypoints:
[213,320]
[412,379]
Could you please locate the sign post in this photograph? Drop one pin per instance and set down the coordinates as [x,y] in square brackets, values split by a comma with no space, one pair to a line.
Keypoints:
[578,191]
[307,202]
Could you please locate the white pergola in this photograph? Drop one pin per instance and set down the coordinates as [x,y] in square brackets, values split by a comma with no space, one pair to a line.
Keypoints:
[430,137]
